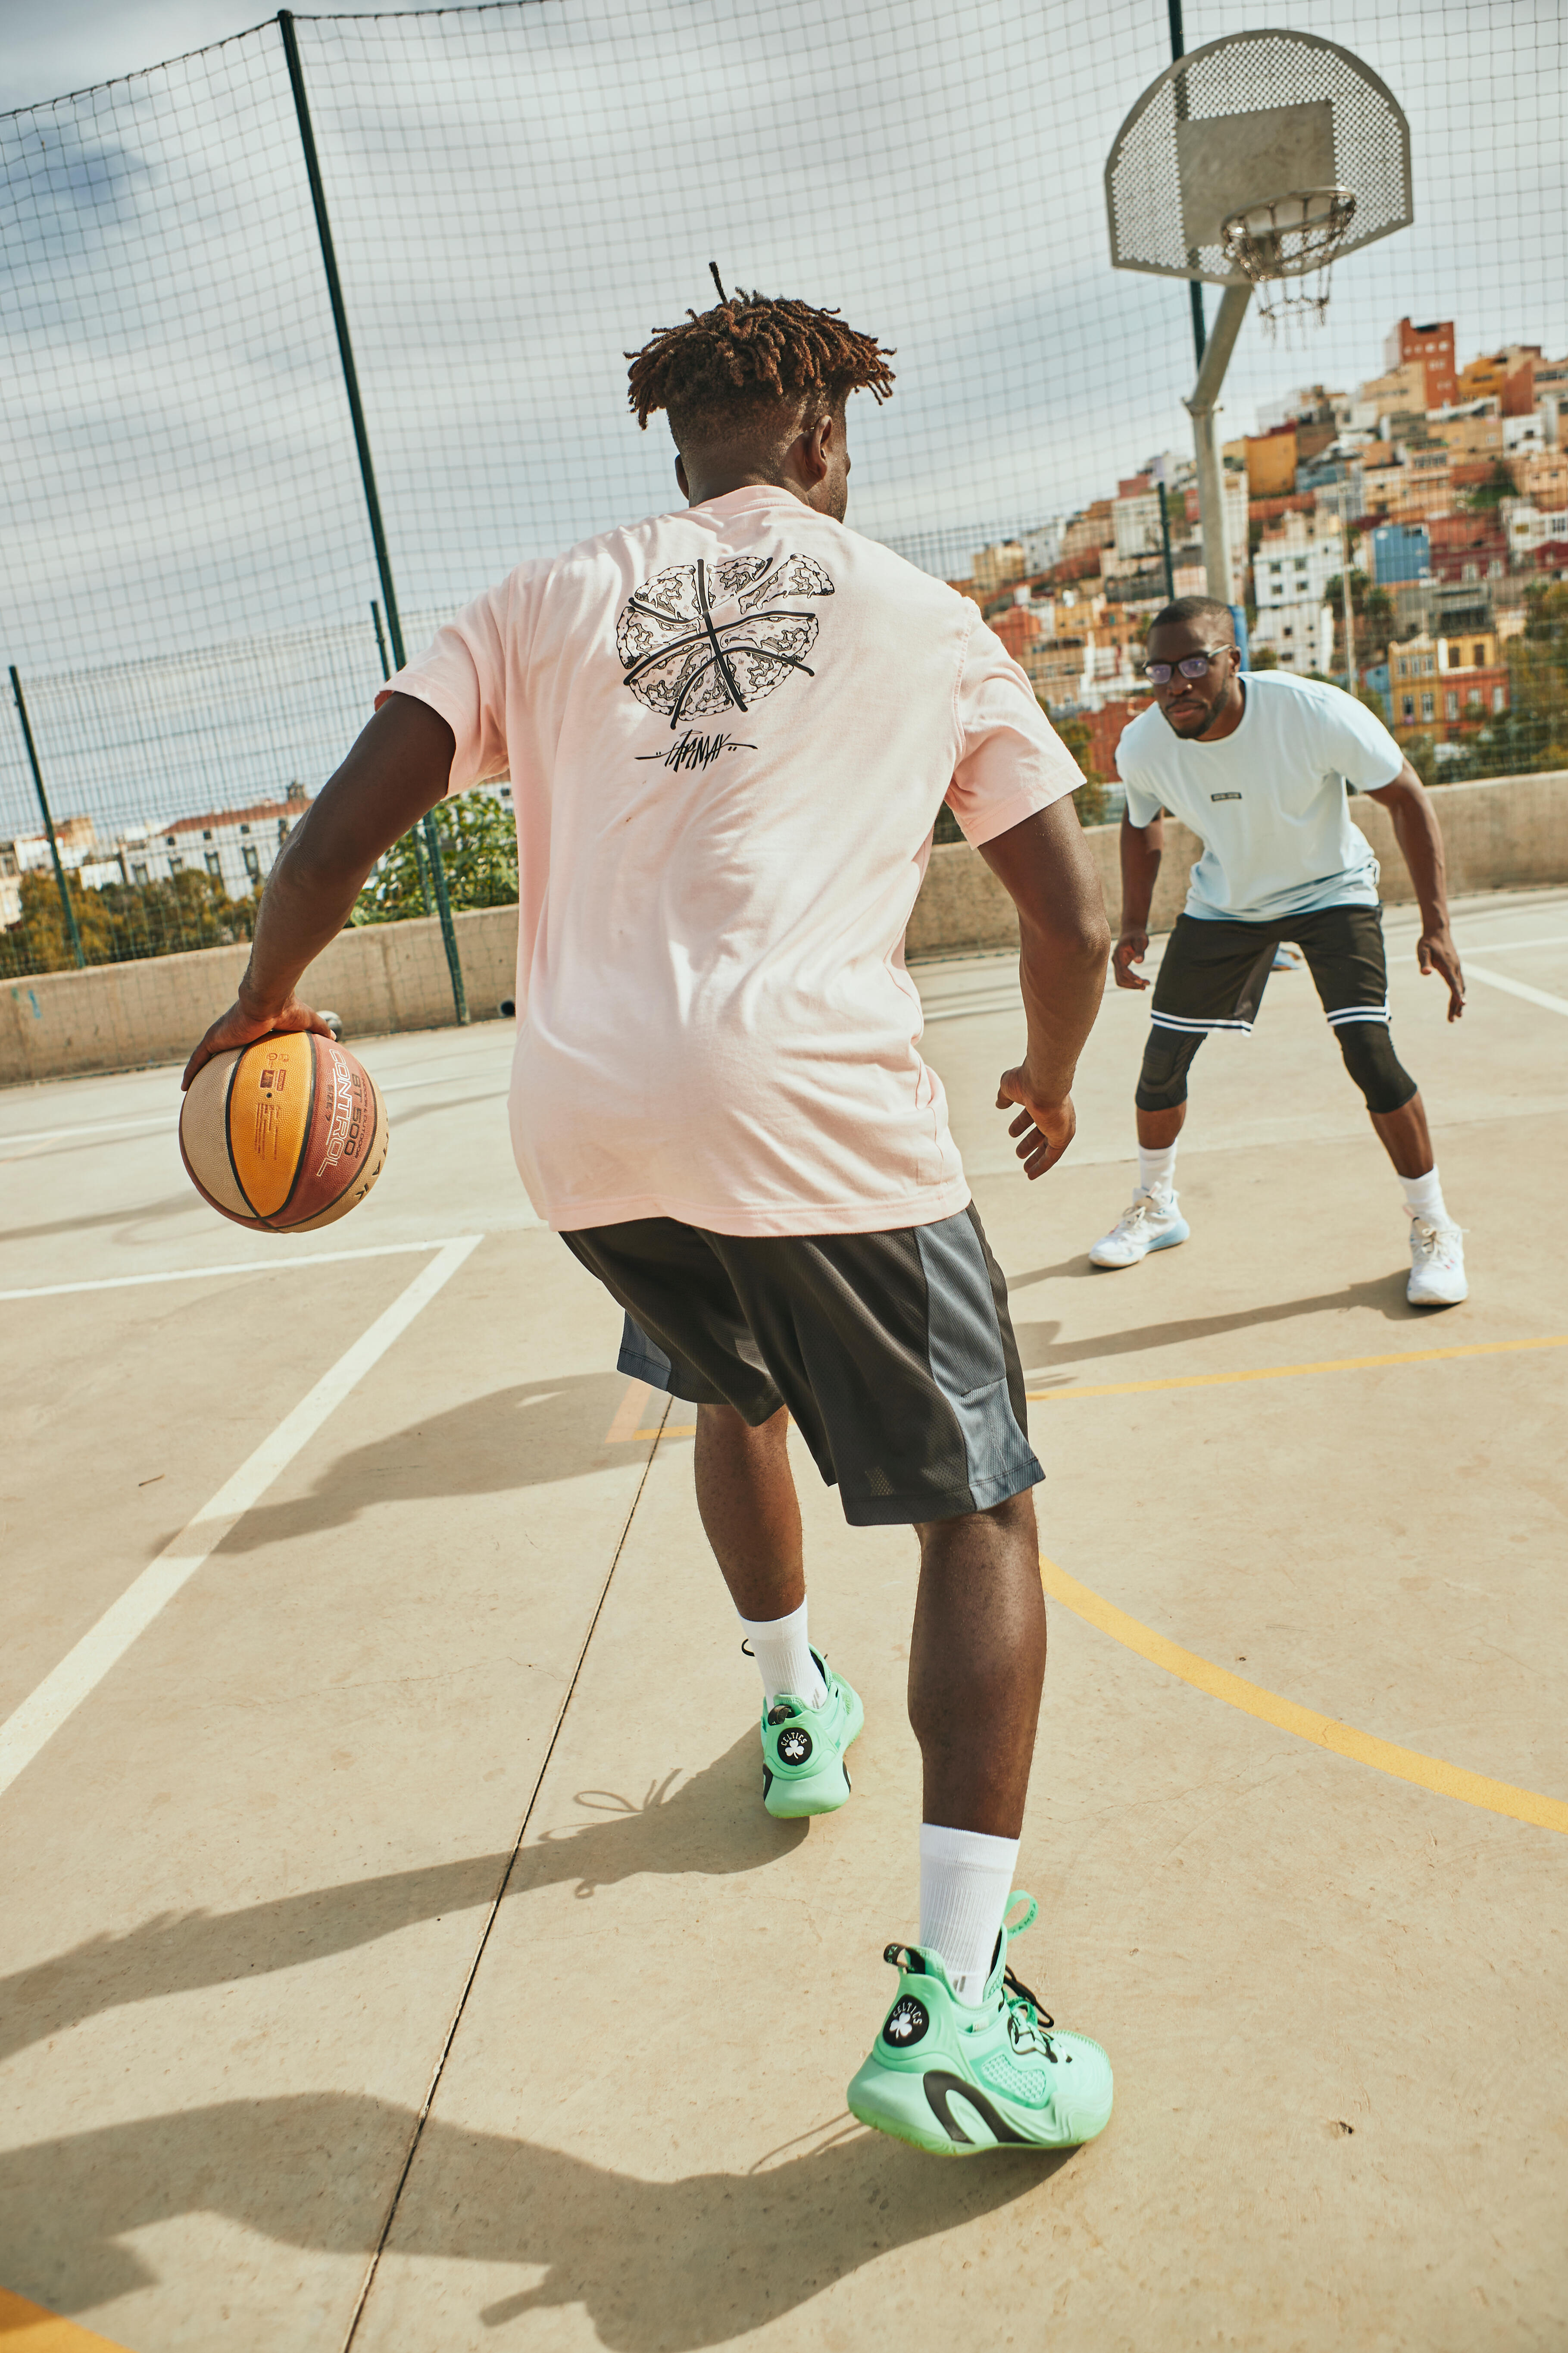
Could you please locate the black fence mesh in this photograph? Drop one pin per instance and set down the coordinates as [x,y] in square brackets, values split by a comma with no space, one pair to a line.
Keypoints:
[519,193]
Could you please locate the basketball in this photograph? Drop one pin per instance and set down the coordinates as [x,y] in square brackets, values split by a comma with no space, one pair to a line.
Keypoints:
[288,1134]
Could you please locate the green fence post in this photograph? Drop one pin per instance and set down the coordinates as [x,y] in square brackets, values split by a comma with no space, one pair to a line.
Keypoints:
[367,470]
[71,924]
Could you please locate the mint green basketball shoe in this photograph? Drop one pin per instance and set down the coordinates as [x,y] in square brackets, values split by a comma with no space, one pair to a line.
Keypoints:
[956,2080]
[804,1748]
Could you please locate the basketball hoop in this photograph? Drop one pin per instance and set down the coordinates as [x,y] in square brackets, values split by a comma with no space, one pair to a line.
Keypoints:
[1286,246]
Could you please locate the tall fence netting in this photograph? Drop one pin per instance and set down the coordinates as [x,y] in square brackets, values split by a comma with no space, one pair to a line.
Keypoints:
[518,195]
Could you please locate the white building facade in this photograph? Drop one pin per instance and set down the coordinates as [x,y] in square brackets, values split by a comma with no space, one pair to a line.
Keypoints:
[1291,573]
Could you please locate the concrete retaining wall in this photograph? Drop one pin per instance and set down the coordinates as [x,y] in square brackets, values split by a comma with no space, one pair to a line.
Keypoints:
[120,1016]
[1509,834]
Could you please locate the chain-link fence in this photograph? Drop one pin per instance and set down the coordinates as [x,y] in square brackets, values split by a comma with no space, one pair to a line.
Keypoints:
[516,195]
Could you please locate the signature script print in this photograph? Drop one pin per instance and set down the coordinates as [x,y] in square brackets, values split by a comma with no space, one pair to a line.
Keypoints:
[698,638]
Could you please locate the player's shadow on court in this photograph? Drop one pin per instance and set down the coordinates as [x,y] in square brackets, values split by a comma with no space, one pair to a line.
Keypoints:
[1041,1352]
[659,2266]
[528,1436]
[708,1824]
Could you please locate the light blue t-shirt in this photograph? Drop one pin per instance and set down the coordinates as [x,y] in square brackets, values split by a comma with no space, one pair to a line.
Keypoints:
[1268,803]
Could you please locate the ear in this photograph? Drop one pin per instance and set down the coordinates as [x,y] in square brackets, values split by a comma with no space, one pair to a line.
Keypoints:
[815,445]
[681,475]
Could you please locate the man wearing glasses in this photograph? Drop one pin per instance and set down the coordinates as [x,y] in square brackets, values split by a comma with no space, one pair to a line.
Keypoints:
[1257,767]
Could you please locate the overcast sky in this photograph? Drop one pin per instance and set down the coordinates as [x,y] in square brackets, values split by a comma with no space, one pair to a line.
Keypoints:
[50,46]
[519,195]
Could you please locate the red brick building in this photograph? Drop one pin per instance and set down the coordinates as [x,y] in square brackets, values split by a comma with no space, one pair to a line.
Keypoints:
[1432,345]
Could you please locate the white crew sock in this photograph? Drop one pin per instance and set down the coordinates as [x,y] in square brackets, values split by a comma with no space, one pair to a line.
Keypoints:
[1423,1197]
[784,1657]
[1157,1170]
[966,1878]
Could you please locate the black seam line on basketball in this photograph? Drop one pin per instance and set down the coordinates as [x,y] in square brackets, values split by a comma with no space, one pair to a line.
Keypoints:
[229,1140]
[490,1917]
[304,1144]
[938,2087]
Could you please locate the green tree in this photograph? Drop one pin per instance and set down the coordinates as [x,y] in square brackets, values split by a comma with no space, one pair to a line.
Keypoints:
[1091,800]
[1372,609]
[121,923]
[1498,486]
[479,853]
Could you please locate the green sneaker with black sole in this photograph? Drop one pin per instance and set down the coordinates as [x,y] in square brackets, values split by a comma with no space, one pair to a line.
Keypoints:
[804,1748]
[957,2080]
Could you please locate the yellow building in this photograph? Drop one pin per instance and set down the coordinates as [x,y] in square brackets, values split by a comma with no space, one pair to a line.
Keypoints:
[1476,649]
[1469,437]
[1402,391]
[995,566]
[1271,463]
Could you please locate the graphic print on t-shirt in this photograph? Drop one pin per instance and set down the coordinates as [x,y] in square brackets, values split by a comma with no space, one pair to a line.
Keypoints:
[698,638]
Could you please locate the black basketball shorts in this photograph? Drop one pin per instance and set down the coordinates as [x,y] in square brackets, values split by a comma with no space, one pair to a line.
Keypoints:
[1212,974]
[894,1352]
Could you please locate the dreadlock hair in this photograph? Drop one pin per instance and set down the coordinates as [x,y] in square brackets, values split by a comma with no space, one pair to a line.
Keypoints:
[722,370]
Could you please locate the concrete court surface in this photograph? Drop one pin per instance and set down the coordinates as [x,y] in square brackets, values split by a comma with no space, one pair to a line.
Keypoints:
[251,1924]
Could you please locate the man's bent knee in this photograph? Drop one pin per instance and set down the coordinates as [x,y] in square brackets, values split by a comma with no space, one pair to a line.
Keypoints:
[1167,1059]
[1370,1058]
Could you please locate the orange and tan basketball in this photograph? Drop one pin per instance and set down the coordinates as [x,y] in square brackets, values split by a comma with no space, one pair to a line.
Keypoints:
[288,1134]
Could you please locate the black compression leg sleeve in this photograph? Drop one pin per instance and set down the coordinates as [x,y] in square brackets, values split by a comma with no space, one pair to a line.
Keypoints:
[1167,1058]
[1373,1065]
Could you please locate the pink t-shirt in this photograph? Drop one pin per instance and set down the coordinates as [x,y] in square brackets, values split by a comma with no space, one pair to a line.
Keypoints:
[729,731]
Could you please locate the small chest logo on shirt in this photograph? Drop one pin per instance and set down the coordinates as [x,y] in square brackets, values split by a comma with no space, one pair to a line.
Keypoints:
[699,639]
[1225,796]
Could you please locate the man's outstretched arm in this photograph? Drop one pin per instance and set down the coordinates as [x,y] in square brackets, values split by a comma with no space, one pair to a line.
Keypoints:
[1420,839]
[396,772]
[1045,869]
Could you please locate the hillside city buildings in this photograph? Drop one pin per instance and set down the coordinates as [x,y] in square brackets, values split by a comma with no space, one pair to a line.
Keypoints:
[1441,489]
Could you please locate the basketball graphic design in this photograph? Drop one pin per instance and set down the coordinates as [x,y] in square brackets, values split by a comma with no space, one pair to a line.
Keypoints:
[701,638]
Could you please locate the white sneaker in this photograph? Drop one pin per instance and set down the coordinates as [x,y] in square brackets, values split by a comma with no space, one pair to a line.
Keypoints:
[1152,1223]
[1436,1265]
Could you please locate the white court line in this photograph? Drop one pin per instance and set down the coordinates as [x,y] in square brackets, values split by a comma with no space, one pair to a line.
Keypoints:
[1508,947]
[108,1127]
[1517,988]
[81,1670]
[239,1266]
[167,1119]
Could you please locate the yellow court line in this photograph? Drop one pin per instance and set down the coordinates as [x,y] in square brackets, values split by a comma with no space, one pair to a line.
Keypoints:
[27,2328]
[1285,1372]
[1324,1731]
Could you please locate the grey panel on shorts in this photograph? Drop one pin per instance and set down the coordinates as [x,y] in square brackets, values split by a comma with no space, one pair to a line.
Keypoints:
[967,1363]
[893,1352]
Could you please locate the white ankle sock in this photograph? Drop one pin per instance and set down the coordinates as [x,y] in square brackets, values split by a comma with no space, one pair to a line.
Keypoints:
[1157,1170]
[1423,1197]
[784,1657]
[966,1878]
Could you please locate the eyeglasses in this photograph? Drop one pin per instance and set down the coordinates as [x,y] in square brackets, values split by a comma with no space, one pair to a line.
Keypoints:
[1191,666]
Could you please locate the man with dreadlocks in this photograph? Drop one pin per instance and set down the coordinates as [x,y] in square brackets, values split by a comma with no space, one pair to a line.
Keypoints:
[729,731]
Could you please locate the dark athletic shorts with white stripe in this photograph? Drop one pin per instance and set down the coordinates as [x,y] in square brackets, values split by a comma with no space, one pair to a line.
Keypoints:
[894,1352]
[1212,974]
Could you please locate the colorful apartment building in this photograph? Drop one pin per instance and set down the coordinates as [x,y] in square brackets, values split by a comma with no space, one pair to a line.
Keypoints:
[1432,347]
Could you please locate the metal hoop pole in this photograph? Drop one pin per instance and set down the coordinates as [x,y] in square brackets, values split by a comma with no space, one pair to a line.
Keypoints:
[367,470]
[1205,444]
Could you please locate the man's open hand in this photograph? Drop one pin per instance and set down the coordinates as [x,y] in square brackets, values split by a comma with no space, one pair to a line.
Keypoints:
[239,1028]
[1436,952]
[1045,1129]
[1130,949]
